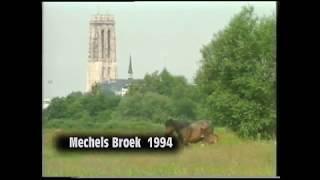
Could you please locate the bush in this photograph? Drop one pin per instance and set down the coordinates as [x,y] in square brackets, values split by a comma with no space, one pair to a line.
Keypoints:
[150,106]
[237,75]
[79,106]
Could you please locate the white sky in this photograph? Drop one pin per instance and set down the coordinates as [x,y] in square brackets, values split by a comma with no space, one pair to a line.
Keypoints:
[156,34]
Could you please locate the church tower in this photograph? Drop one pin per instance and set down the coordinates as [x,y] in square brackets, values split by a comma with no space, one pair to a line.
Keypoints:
[130,71]
[102,63]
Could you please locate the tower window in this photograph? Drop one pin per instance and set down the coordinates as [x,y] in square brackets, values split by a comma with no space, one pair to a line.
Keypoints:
[108,43]
[102,43]
[95,45]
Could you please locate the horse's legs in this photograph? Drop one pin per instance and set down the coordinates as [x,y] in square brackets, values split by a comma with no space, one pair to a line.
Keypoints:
[212,139]
[185,142]
[202,133]
[209,139]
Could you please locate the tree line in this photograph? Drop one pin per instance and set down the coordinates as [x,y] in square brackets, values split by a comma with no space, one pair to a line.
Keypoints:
[234,87]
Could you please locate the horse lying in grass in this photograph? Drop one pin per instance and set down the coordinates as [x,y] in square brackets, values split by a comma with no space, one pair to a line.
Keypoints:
[192,132]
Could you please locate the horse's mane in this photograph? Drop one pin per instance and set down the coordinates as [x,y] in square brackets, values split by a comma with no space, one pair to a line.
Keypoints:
[180,124]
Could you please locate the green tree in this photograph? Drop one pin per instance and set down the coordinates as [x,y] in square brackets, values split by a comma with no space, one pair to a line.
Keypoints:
[77,106]
[150,106]
[237,75]
[183,97]
[56,109]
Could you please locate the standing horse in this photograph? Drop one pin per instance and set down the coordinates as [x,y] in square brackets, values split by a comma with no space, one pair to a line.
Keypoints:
[191,132]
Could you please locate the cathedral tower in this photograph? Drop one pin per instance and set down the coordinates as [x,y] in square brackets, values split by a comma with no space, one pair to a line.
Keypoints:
[102,63]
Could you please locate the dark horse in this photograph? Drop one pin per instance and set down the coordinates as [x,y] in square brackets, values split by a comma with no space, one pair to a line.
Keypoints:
[191,132]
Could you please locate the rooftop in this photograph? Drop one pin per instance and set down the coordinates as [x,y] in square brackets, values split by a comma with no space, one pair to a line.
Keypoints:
[116,85]
[102,18]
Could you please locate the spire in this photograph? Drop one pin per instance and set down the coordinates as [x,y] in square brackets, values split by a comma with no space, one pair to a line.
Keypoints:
[130,69]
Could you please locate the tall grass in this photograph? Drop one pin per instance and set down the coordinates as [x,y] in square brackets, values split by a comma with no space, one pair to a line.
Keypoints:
[112,125]
[232,156]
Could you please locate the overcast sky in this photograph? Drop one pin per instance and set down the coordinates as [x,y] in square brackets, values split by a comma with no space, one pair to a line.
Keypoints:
[156,34]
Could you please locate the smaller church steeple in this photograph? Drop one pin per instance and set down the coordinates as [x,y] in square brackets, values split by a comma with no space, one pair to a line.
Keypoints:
[130,72]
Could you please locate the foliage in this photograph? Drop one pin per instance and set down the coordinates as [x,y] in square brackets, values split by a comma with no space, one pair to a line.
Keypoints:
[78,106]
[153,99]
[232,156]
[165,95]
[238,75]
[149,106]
[235,87]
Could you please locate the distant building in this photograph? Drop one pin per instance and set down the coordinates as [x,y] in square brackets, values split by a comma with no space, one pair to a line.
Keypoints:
[124,90]
[46,103]
[102,64]
[119,86]
[130,71]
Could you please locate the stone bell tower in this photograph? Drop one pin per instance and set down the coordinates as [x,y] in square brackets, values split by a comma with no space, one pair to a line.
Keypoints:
[102,63]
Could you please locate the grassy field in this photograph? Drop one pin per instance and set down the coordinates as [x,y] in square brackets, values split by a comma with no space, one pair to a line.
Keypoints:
[230,157]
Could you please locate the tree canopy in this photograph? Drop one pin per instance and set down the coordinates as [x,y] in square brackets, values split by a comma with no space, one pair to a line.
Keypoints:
[238,75]
[235,86]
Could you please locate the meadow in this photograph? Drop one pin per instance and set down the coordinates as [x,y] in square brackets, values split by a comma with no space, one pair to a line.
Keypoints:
[234,87]
[231,156]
